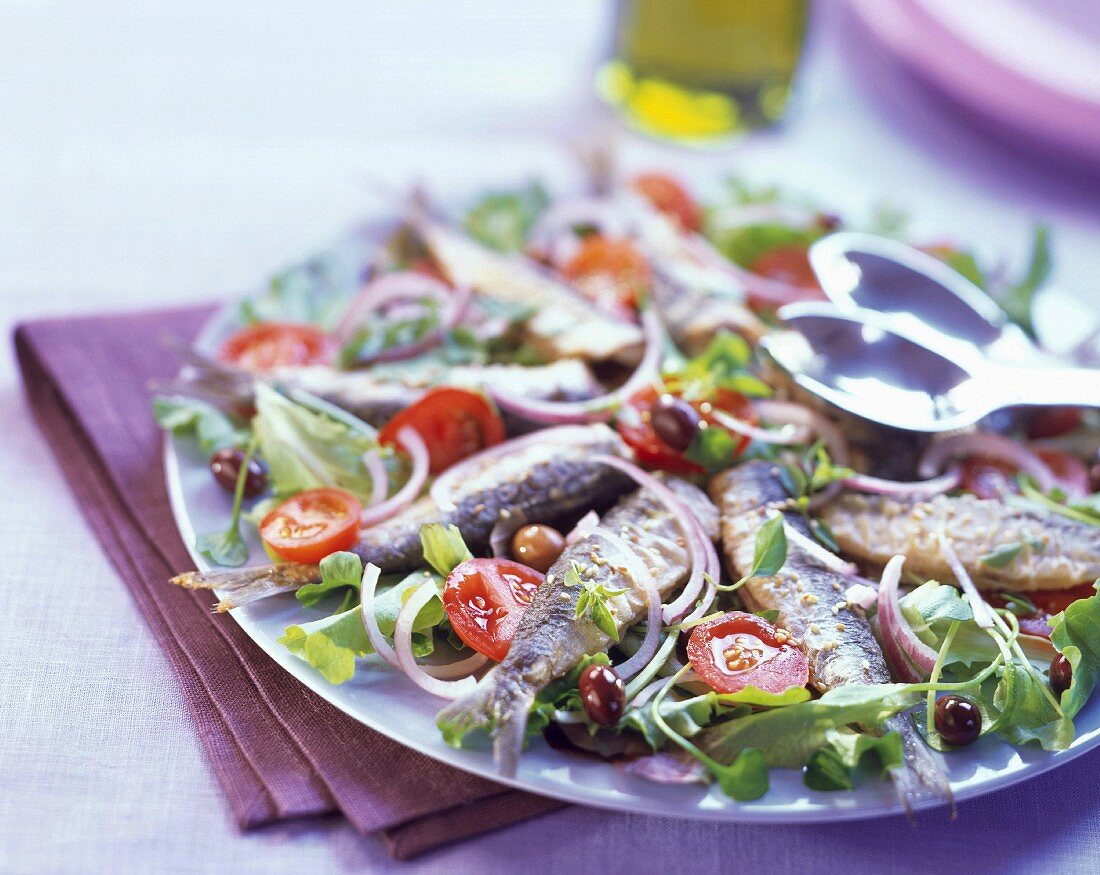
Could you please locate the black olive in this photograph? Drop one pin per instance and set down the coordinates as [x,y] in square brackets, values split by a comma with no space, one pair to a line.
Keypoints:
[1061,674]
[603,693]
[675,421]
[225,465]
[958,719]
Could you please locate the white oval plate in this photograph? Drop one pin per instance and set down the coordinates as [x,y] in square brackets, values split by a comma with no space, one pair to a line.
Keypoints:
[386,701]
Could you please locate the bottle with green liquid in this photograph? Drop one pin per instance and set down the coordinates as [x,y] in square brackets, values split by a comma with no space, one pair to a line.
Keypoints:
[703,71]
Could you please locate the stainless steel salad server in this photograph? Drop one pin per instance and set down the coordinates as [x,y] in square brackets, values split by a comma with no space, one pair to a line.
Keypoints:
[863,363]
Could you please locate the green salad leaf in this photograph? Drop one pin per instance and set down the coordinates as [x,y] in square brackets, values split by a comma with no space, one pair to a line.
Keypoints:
[188,416]
[1076,634]
[444,548]
[316,291]
[502,220]
[330,645]
[228,547]
[1018,299]
[338,570]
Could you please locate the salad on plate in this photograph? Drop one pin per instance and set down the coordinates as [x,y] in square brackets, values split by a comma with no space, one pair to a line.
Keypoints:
[534,461]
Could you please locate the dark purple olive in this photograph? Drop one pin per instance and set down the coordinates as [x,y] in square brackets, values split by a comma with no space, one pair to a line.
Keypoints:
[958,719]
[675,421]
[603,693]
[1061,674]
[225,465]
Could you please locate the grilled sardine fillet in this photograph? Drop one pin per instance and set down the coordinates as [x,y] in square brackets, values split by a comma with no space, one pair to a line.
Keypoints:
[565,324]
[542,481]
[1058,552]
[551,640]
[837,640]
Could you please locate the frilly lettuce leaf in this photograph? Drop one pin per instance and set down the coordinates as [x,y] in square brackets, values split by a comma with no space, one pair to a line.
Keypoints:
[1076,634]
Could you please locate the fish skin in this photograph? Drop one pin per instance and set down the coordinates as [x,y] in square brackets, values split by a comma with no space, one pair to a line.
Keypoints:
[542,481]
[565,324]
[873,528]
[840,646]
[550,639]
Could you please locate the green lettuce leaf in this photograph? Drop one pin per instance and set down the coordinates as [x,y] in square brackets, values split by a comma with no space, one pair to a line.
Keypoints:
[188,416]
[444,548]
[831,767]
[338,570]
[330,645]
[316,291]
[1075,633]
[502,220]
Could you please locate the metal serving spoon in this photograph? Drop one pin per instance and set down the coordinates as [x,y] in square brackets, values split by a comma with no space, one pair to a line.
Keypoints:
[922,297]
[864,364]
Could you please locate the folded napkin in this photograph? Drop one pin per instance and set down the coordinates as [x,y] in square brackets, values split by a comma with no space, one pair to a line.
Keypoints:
[279,750]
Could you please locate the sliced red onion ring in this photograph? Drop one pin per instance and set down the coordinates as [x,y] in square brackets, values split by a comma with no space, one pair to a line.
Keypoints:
[920,488]
[500,538]
[585,526]
[402,285]
[900,643]
[413,443]
[983,615]
[595,409]
[643,579]
[370,621]
[553,233]
[791,413]
[990,446]
[667,768]
[458,669]
[379,479]
[402,645]
[786,436]
[443,487]
[764,288]
[861,595]
[701,553]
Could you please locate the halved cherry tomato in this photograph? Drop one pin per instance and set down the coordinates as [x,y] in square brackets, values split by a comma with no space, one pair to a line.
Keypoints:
[1047,604]
[312,524]
[608,270]
[268,345]
[1071,473]
[454,423]
[484,600]
[671,198]
[1049,422]
[634,423]
[789,264]
[739,650]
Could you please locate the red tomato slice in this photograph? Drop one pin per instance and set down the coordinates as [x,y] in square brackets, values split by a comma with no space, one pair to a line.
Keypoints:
[454,423]
[484,600]
[789,264]
[1055,601]
[633,423]
[671,198]
[1071,473]
[268,345]
[609,270]
[740,650]
[1049,422]
[312,524]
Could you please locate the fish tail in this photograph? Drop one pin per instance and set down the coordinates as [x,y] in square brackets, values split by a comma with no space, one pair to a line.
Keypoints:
[241,586]
[920,778]
[499,705]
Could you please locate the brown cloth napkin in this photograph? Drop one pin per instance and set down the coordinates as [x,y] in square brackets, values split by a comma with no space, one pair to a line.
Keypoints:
[279,750]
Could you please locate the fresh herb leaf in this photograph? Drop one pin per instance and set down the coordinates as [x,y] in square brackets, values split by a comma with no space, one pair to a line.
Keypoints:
[316,291]
[823,533]
[771,616]
[502,220]
[1018,604]
[722,365]
[228,547]
[770,549]
[212,429]
[1076,634]
[746,779]
[444,548]
[382,334]
[826,771]
[1001,556]
[338,570]
[592,601]
[1017,300]
[713,448]
[1084,511]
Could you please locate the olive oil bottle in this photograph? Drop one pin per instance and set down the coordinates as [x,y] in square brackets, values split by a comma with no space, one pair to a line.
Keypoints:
[703,71]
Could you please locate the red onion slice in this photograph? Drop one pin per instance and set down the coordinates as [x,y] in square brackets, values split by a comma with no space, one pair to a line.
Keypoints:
[402,285]
[500,538]
[379,479]
[920,488]
[990,446]
[643,579]
[899,641]
[595,409]
[443,487]
[413,443]
[791,413]
[861,595]
[370,621]
[667,768]
[788,435]
[458,669]
[983,616]
[402,645]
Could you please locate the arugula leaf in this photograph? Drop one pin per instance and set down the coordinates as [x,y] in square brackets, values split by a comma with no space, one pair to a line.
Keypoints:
[212,429]
[443,546]
[1076,634]
[713,448]
[746,779]
[561,694]
[722,365]
[228,547]
[830,767]
[305,449]
[1018,298]
[338,570]
[502,220]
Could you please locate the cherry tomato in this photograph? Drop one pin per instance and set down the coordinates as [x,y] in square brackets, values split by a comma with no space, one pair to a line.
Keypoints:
[268,345]
[454,423]
[484,600]
[312,524]
[1071,473]
[1049,422]
[635,424]
[1054,601]
[789,264]
[609,271]
[671,198]
[988,478]
[740,650]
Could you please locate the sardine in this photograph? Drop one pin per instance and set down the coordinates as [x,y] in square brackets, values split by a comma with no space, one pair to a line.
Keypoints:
[1055,553]
[542,481]
[550,639]
[837,640]
[565,324]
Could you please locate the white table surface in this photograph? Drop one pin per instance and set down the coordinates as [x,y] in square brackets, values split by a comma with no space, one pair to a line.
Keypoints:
[161,153]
